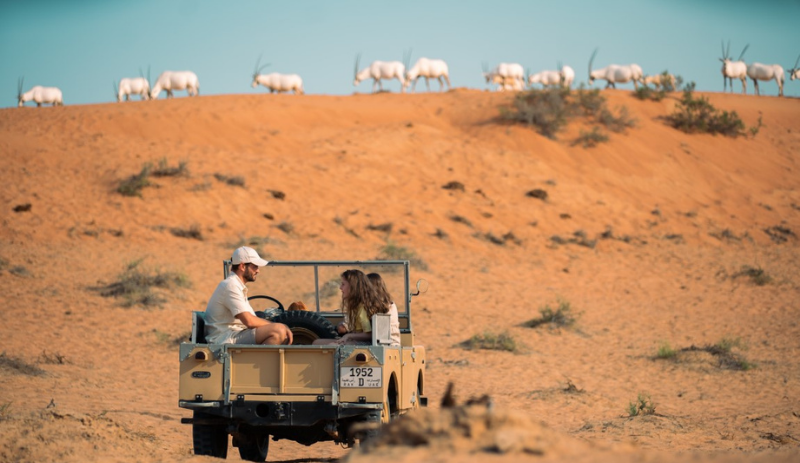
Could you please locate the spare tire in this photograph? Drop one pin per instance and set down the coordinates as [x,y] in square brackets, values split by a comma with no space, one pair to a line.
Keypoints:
[306,327]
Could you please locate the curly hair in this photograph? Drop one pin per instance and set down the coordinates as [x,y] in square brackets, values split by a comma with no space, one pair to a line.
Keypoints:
[362,292]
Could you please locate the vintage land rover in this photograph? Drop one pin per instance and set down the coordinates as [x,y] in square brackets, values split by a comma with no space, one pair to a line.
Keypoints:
[302,392]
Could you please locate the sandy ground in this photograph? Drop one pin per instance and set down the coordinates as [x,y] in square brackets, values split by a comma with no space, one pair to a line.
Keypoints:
[646,237]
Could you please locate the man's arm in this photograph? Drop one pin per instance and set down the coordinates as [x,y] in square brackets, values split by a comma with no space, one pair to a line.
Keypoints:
[251,321]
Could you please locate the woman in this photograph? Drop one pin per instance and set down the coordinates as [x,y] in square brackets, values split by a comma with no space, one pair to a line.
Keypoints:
[360,302]
[386,300]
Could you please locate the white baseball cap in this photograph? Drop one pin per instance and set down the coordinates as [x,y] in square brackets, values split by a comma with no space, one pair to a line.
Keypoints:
[245,255]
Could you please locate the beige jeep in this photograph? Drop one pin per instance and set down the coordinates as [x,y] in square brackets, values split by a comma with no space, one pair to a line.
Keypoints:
[305,393]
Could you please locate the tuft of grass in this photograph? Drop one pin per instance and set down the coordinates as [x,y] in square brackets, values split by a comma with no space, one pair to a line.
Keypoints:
[562,316]
[491,341]
[135,286]
[285,227]
[696,115]
[17,365]
[589,102]
[52,359]
[642,406]
[726,357]
[232,181]
[5,411]
[165,170]
[391,251]
[644,92]
[192,232]
[757,275]
[666,352]
[615,123]
[590,139]
[133,185]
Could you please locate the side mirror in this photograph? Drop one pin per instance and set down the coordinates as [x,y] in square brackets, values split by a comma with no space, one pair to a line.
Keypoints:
[422,287]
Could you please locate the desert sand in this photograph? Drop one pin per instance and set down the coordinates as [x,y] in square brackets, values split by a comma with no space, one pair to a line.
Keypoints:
[648,237]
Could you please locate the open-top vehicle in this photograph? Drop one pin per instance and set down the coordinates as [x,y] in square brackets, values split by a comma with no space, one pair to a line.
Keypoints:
[302,392]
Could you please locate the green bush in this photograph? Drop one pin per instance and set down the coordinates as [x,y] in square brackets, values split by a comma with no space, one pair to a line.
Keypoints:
[560,317]
[133,185]
[642,406]
[490,341]
[696,115]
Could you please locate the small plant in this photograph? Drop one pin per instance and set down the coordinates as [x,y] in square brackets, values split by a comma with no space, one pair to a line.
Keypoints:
[133,185]
[642,406]
[134,286]
[285,227]
[756,128]
[591,101]
[164,170]
[490,341]
[590,139]
[54,359]
[192,232]
[696,115]
[20,366]
[5,411]
[394,252]
[757,275]
[645,92]
[232,181]
[547,110]
[618,123]
[560,317]
[666,352]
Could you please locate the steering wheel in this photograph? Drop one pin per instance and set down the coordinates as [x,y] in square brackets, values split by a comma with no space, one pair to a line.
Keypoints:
[280,306]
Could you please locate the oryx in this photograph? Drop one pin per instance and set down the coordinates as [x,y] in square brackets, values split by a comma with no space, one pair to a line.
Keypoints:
[733,69]
[276,82]
[615,74]
[567,76]
[133,86]
[176,80]
[39,94]
[507,76]
[378,71]
[429,69]
[758,71]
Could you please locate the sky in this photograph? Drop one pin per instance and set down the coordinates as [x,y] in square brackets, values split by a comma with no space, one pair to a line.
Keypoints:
[85,46]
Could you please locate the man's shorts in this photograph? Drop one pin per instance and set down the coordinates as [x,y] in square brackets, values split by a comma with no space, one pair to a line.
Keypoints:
[244,337]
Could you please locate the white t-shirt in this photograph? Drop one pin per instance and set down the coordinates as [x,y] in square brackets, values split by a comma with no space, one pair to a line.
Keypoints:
[394,325]
[228,300]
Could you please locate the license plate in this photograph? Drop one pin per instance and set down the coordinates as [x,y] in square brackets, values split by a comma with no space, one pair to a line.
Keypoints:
[361,377]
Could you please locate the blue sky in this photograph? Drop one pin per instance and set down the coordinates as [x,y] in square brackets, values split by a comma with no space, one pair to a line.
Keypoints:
[84,46]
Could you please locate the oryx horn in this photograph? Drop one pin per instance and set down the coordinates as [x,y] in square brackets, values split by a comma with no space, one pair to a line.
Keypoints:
[743,50]
[20,83]
[591,60]
[358,59]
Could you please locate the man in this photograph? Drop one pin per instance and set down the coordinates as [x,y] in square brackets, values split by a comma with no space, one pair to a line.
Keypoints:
[229,317]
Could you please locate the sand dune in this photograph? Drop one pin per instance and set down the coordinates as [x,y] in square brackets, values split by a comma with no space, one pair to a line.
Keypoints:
[647,237]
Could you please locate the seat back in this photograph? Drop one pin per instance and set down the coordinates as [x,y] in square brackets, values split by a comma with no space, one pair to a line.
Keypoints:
[198,327]
[381,329]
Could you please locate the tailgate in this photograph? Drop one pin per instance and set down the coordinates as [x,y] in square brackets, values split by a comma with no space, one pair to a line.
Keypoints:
[294,370]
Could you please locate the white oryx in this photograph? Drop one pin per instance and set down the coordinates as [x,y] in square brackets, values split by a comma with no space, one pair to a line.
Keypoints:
[170,81]
[733,69]
[276,82]
[567,76]
[664,80]
[429,69]
[132,86]
[380,70]
[794,73]
[615,74]
[758,71]
[546,78]
[41,95]
[508,76]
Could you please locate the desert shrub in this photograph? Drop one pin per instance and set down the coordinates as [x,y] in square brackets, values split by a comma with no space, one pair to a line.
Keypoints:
[491,341]
[589,102]
[461,219]
[232,181]
[696,115]
[164,170]
[17,365]
[727,359]
[666,352]
[133,185]
[135,285]
[590,139]
[391,251]
[562,316]
[192,232]
[547,110]
[53,359]
[617,123]
[642,406]
[645,92]
[757,275]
